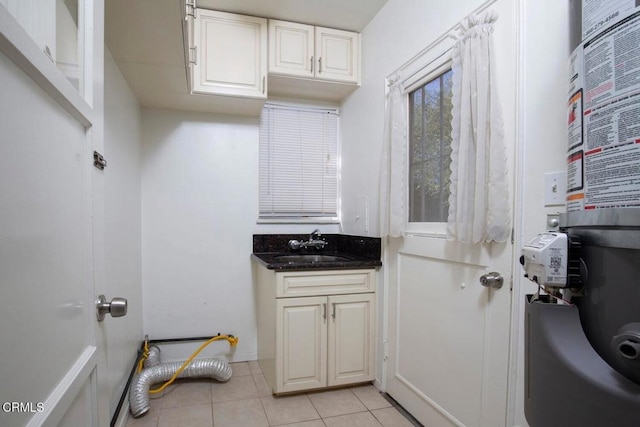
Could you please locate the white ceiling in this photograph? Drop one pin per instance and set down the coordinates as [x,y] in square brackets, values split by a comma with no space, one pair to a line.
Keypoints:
[145,38]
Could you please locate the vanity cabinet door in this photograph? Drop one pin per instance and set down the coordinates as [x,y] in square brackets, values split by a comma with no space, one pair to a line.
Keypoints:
[301,343]
[351,338]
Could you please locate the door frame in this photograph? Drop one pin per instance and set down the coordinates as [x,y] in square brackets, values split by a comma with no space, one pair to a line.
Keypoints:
[517,307]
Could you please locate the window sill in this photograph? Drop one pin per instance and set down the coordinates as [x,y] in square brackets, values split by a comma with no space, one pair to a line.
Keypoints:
[432,235]
[427,229]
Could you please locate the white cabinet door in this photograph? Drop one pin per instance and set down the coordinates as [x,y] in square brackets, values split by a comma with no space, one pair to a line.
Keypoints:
[351,339]
[231,54]
[300,50]
[291,48]
[338,55]
[301,343]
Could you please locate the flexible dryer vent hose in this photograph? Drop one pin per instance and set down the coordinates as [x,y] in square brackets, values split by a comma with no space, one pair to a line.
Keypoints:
[153,357]
[200,368]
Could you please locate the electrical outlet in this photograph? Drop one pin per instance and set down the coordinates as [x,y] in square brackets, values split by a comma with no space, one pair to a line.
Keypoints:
[555,188]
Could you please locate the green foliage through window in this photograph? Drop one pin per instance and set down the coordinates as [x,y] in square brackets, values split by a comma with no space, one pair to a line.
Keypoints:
[430,150]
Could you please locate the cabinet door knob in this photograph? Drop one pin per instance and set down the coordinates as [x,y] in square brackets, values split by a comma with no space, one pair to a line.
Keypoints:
[333,311]
[324,306]
[311,61]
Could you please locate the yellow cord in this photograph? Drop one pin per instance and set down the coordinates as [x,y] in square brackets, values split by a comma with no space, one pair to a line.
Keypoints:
[145,355]
[233,341]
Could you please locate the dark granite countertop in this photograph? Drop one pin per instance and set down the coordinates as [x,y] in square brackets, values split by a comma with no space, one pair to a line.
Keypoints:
[354,252]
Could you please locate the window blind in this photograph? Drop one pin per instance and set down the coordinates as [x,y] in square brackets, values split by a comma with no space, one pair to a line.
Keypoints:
[298,162]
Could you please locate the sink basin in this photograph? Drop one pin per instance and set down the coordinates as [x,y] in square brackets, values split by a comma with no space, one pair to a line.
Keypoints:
[310,258]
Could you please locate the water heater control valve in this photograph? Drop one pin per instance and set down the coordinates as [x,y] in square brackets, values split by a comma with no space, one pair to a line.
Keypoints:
[553,259]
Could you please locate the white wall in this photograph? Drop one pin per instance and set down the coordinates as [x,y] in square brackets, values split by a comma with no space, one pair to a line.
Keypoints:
[545,34]
[122,215]
[199,208]
[199,212]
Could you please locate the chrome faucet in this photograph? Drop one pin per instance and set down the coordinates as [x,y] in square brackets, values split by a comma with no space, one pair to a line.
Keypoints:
[314,241]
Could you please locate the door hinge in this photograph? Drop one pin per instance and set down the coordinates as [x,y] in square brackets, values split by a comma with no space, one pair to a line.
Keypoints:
[194,55]
[512,235]
[99,161]
[385,351]
[191,9]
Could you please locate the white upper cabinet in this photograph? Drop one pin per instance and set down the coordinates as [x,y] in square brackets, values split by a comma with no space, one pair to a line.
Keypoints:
[338,55]
[229,56]
[300,50]
[291,48]
[244,58]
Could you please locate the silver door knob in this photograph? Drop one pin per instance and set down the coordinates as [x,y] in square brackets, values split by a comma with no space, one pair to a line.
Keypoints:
[492,280]
[116,308]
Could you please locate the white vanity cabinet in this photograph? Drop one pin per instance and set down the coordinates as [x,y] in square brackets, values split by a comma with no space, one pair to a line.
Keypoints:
[315,328]
[229,55]
[300,50]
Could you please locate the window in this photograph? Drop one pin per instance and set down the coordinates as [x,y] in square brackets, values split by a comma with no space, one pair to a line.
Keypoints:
[298,164]
[430,150]
[51,41]
[56,27]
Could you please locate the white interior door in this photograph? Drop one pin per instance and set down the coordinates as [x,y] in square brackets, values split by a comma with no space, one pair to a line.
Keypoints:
[448,335]
[50,351]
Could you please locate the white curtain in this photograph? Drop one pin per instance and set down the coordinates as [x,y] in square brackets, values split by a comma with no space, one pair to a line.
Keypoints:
[479,199]
[393,178]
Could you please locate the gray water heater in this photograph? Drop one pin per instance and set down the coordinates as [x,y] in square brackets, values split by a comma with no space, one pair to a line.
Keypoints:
[582,358]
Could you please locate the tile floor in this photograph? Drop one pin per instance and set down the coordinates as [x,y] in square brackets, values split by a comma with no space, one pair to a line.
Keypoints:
[245,401]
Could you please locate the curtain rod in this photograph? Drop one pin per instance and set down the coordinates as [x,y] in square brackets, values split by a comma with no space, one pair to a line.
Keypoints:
[444,35]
